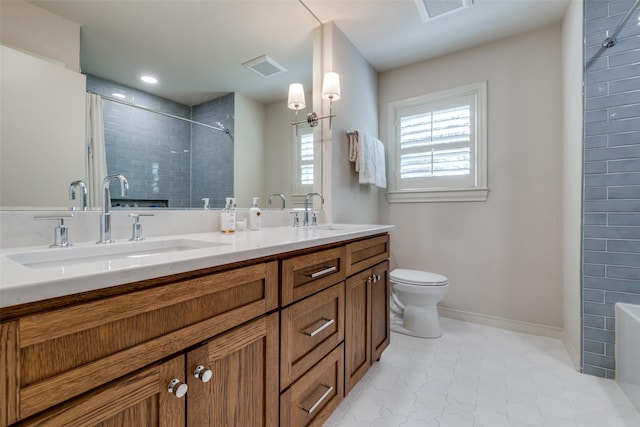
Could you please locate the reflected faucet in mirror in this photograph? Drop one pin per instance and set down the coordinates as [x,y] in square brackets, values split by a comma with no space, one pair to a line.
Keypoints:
[105,216]
[271,196]
[72,194]
[305,220]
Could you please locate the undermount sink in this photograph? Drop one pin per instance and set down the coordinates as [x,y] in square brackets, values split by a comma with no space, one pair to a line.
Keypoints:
[60,257]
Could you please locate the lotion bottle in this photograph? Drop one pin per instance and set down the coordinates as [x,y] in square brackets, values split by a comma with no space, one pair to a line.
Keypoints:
[254,215]
[228,217]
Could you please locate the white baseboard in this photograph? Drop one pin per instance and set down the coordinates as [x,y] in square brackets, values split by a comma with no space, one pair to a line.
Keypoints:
[498,322]
[574,353]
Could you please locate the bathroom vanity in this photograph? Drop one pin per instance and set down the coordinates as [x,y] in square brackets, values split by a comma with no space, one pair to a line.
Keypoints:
[261,329]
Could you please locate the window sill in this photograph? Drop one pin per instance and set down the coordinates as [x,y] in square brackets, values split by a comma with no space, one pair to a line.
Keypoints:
[444,195]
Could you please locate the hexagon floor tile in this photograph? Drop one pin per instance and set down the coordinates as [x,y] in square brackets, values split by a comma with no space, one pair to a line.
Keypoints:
[480,376]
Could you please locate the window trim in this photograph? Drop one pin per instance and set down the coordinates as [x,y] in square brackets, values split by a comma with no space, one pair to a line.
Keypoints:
[476,193]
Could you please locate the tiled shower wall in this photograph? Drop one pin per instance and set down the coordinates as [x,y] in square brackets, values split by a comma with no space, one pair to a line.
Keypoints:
[611,198]
[157,153]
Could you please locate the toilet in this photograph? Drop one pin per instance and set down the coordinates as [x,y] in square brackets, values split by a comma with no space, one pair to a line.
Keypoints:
[414,296]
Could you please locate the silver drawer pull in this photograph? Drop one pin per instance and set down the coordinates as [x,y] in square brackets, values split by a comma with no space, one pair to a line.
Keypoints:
[319,401]
[323,272]
[325,325]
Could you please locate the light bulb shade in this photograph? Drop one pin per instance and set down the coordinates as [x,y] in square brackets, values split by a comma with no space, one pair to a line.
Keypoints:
[331,86]
[296,97]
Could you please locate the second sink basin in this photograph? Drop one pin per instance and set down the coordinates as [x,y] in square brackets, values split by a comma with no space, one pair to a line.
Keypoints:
[60,257]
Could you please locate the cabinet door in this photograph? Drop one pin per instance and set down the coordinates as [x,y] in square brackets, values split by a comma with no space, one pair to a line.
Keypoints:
[241,387]
[140,399]
[380,326]
[357,339]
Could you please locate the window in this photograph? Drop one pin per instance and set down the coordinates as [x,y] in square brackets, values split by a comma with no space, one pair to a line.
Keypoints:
[438,147]
[303,160]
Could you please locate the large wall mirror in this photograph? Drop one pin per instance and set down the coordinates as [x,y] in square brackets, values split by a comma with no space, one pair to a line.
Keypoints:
[215,125]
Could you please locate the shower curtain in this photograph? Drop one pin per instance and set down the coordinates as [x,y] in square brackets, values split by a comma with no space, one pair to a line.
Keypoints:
[96,153]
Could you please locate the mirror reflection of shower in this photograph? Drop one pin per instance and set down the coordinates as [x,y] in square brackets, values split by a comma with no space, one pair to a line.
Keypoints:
[173,155]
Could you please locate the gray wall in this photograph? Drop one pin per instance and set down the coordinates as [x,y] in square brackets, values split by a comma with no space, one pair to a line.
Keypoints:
[611,199]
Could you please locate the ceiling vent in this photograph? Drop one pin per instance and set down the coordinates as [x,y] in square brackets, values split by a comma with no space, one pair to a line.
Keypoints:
[264,66]
[430,9]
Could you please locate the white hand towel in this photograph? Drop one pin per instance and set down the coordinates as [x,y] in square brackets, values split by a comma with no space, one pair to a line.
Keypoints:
[367,159]
[380,171]
[372,161]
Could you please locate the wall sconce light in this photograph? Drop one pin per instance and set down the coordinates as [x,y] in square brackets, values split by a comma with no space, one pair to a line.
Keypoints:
[330,91]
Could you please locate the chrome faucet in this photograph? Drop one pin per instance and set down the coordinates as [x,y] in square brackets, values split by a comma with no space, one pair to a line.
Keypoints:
[105,216]
[277,195]
[305,220]
[72,193]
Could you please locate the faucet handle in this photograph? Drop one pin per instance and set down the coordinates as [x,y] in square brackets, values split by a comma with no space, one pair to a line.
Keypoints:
[136,227]
[60,232]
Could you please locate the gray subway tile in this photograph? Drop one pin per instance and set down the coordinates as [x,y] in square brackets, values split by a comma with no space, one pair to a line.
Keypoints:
[630,192]
[594,347]
[629,246]
[618,219]
[629,298]
[599,335]
[594,321]
[595,193]
[594,270]
[610,324]
[623,272]
[595,219]
[599,360]
[611,284]
[598,309]
[594,244]
[593,295]
[594,370]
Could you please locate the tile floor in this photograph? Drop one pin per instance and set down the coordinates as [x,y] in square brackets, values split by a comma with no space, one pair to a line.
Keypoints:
[479,376]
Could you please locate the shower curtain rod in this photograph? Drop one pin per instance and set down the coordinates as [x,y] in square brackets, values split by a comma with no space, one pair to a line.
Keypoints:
[611,41]
[162,113]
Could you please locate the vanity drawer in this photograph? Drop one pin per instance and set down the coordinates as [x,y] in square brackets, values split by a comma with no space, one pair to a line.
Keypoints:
[311,399]
[62,353]
[366,253]
[309,330]
[307,274]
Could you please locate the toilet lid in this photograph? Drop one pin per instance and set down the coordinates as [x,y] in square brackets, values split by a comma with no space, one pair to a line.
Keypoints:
[417,277]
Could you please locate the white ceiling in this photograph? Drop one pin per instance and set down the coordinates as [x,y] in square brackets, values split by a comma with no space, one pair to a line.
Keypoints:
[196,48]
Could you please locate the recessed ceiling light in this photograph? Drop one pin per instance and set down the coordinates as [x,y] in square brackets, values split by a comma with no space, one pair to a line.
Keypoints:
[149,79]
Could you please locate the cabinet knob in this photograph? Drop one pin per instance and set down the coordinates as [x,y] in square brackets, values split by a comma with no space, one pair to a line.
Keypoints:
[203,374]
[177,388]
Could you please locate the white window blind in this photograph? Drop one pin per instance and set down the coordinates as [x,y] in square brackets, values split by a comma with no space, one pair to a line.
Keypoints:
[438,145]
[306,158]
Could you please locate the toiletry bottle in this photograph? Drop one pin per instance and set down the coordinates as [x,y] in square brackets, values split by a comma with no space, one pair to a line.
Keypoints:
[206,203]
[254,215]
[228,217]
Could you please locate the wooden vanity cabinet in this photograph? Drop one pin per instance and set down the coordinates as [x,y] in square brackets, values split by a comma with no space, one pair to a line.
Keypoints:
[53,356]
[278,342]
[312,336]
[243,388]
[367,320]
[139,399]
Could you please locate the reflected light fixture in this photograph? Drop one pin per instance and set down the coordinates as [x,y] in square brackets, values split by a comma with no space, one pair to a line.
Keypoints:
[330,92]
[296,98]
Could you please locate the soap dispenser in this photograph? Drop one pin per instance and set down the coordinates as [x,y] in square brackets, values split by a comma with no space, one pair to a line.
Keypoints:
[206,203]
[254,215]
[228,217]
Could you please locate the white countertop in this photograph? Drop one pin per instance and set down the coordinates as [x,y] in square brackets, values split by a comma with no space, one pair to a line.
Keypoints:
[21,284]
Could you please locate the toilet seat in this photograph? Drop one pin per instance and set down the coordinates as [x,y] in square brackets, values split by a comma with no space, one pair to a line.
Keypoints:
[417,278]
